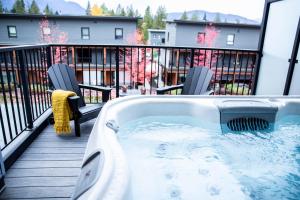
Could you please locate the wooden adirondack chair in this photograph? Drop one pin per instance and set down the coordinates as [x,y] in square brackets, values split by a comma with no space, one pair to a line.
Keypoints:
[196,83]
[63,77]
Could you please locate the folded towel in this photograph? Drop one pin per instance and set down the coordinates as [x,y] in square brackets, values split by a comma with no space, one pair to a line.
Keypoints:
[61,110]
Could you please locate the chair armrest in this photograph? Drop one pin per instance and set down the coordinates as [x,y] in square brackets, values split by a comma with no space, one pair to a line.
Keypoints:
[209,92]
[105,90]
[95,87]
[49,91]
[163,90]
[74,105]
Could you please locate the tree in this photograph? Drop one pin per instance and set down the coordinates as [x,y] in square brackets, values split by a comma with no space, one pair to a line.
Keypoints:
[184,16]
[204,17]
[47,10]
[88,9]
[18,7]
[130,11]
[147,23]
[160,17]
[34,9]
[96,10]
[111,12]
[104,9]
[123,13]
[217,17]
[1,7]
[194,17]
[118,10]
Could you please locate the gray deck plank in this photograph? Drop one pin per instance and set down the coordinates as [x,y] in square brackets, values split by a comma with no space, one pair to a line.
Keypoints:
[49,168]
[53,156]
[43,172]
[38,192]
[53,150]
[41,181]
[21,164]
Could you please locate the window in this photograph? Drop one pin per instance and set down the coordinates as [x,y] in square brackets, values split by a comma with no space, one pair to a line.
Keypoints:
[201,38]
[168,36]
[46,31]
[85,33]
[12,31]
[118,33]
[158,36]
[230,39]
[84,55]
[163,40]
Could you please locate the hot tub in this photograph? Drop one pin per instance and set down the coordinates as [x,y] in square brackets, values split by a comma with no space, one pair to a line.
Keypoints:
[241,125]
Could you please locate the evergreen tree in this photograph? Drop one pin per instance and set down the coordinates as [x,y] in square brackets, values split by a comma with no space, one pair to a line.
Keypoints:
[184,16]
[217,17]
[194,17]
[111,12]
[88,9]
[118,10]
[160,17]
[18,7]
[34,9]
[130,11]
[136,13]
[123,13]
[1,7]
[104,9]
[147,23]
[204,17]
[47,10]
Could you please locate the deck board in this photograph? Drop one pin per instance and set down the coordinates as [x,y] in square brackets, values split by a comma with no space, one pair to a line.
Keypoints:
[49,167]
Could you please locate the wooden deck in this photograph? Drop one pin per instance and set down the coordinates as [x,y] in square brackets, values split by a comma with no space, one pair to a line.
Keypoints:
[49,168]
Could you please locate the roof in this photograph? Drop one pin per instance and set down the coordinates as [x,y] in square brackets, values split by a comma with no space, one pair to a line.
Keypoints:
[157,30]
[81,17]
[214,23]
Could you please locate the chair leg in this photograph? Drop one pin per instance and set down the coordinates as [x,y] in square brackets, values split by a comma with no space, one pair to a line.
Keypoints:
[77,127]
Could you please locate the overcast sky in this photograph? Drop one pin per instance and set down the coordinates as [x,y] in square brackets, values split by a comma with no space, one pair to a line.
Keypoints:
[251,9]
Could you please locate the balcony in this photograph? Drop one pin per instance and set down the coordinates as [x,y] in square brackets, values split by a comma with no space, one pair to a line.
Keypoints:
[51,164]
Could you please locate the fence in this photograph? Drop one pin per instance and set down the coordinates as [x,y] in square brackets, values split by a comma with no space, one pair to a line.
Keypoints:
[23,74]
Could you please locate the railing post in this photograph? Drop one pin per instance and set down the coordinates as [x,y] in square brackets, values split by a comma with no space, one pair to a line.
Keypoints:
[117,72]
[25,87]
[192,58]
[49,63]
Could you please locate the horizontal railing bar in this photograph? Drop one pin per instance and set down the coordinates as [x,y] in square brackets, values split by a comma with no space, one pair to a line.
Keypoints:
[152,46]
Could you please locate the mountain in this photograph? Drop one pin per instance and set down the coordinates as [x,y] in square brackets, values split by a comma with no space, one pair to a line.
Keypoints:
[63,7]
[210,16]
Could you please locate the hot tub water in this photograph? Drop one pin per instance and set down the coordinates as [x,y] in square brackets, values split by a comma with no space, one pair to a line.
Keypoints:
[187,158]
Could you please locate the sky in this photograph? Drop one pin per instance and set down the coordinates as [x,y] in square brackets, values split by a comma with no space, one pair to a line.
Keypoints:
[252,9]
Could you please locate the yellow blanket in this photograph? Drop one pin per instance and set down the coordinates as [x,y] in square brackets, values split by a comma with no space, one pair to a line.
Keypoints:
[61,110]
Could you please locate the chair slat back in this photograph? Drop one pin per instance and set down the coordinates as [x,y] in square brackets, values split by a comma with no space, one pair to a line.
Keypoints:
[63,77]
[197,81]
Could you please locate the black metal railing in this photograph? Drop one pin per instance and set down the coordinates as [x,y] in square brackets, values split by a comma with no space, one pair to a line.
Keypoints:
[23,74]
[23,99]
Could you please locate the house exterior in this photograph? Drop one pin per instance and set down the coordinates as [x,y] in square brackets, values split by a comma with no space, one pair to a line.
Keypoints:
[228,35]
[157,37]
[26,29]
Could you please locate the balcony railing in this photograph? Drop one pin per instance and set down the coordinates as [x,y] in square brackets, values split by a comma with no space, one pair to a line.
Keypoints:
[24,80]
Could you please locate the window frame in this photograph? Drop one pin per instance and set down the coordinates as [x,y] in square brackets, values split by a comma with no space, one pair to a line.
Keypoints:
[85,35]
[9,33]
[119,37]
[204,37]
[229,42]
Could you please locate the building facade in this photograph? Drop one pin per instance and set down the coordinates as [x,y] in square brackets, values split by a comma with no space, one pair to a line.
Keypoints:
[156,37]
[34,29]
[226,35]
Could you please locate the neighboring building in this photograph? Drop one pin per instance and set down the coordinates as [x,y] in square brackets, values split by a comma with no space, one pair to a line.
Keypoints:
[229,35]
[16,29]
[26,29]
[156,37]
